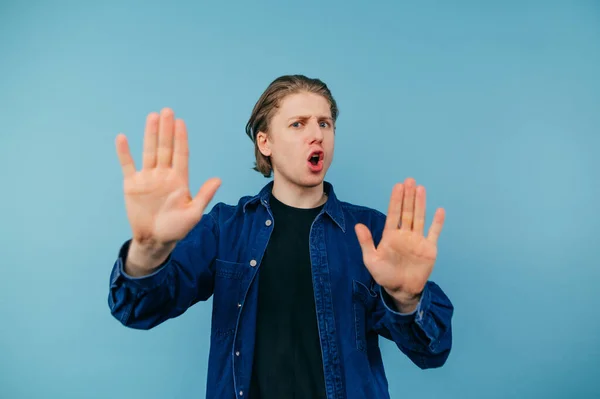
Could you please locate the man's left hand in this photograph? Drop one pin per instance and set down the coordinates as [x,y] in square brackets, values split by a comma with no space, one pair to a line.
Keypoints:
[404,258]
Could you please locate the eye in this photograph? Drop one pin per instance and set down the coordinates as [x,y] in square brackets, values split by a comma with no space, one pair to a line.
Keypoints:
[296,124]
[324,124]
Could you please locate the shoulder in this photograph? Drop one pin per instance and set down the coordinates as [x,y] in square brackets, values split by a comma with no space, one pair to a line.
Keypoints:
[245,208]
[222,211]
[368,216]
[362,210]
[222,219]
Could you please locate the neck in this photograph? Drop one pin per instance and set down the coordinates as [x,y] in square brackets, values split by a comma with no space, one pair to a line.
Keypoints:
[298,196]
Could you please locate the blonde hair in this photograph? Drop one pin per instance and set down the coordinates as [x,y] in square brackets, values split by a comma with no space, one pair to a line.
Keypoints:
[270,100]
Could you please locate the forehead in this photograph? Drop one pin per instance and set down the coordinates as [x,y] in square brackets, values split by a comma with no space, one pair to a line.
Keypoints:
[306,104]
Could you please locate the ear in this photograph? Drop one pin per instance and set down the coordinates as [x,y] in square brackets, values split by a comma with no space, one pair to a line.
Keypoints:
[262,140]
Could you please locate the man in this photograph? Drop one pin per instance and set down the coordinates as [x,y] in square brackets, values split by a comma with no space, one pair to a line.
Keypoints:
[303,284]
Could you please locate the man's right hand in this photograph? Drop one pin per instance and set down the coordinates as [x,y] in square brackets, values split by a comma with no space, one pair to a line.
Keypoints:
[159,206]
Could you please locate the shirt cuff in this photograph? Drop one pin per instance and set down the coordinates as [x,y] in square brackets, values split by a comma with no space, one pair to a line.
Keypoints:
[146,282]
[415,315]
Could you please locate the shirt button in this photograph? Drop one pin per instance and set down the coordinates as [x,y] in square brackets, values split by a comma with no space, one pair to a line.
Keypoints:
[253,262]
[237,353]
[241,393]
[268,222]
[239,305]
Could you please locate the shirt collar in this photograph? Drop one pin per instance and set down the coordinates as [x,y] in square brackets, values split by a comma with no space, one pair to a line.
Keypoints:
[333,207]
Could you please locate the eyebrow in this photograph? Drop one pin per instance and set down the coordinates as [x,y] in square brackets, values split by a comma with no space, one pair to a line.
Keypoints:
[304,117]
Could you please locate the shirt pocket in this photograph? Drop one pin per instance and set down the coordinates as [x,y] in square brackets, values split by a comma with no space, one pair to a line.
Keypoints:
[228,295]
[363,299]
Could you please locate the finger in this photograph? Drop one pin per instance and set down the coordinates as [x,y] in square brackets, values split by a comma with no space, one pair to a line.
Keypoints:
[365,239]
[419,221]
[436,225]
[150,141]
[181,149]
[395,207]
[205,195]
[408,205]
[165,138]
[124,155]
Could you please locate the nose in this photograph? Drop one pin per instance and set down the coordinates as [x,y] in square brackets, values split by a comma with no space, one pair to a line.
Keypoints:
[316,133]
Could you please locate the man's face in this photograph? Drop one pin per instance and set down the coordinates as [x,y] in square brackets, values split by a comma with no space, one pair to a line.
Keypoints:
[301,139]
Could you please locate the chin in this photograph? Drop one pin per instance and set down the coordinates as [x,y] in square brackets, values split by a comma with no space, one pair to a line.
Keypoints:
[313,183]
[314,180]
[307,179]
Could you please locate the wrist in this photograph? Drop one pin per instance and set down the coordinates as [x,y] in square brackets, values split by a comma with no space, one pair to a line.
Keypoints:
[144,258]
[404,302]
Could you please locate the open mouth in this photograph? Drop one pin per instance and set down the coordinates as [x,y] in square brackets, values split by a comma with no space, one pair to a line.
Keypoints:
[315,158]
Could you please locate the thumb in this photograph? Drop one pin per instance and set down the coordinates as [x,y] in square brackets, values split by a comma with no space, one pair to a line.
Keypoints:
[205,195]
[365,239]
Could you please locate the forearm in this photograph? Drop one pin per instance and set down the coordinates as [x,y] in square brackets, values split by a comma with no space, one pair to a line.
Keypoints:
[145,259]
[143,300]
[148,287]
[403,303]
[423,334]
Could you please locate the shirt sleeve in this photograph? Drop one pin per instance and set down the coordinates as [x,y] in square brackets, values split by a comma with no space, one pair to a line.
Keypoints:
[185,278]
[424,335]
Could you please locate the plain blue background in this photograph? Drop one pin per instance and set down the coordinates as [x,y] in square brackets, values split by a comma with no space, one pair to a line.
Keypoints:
[494,108]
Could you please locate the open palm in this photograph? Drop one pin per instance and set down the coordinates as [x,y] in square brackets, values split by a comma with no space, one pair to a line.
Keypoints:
[404,258]
[158,201]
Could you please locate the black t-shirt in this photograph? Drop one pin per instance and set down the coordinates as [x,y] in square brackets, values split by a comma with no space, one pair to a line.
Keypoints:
[287,358]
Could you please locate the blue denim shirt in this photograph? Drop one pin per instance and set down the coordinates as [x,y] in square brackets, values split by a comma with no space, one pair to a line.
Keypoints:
[221,257]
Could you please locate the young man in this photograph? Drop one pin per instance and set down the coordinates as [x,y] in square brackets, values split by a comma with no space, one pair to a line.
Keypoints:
[303,284]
